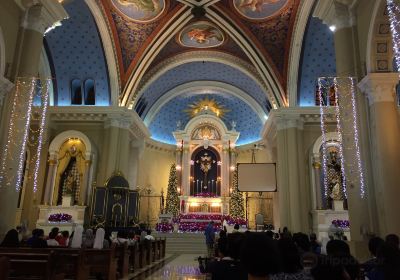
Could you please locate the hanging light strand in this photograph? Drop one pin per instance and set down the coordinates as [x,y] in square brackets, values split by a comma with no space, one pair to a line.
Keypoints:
[42,125]
[9,134]
[323,130]
[394,15]
[356,139]
[25,135]
[339,131]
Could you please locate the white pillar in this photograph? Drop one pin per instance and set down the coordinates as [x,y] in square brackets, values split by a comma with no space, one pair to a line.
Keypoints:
[385,135]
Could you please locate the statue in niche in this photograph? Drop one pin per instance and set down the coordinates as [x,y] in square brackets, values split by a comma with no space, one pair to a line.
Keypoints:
[334,177]
[70,184]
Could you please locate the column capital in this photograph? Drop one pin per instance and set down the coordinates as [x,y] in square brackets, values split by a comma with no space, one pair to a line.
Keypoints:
[379,87]
[119,121]
[286,122]
[42,15]
[335,13]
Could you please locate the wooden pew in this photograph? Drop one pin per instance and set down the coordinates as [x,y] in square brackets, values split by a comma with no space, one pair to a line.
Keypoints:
[133,257]
[4,268]
[40,266]
[67,261]
[162,249]
[122,253]
[102,262]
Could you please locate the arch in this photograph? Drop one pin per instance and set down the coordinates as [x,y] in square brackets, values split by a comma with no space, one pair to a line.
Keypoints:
[296,49]
[55,145]
[379,60]
[76,92]
[329,137]
[89,92]
[268,74]
[106,39]
[199,56]
[203,85]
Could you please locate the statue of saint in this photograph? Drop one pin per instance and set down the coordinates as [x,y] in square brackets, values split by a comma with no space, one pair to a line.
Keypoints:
[334,177]
[336,193]
[69,184]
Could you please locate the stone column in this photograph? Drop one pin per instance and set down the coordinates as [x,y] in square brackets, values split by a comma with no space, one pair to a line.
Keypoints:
[317,182]
[185,171]
[293,212]
[225,171]
[85,181]
[36,20]
[112,154]
[385,147]
[51,177]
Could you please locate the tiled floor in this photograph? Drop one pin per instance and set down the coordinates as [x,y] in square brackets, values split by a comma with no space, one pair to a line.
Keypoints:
[176,267]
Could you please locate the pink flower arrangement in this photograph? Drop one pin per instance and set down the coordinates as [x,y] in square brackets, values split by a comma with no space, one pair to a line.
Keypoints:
[60,218]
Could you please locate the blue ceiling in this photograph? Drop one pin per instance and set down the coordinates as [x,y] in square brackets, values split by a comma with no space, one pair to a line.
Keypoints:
[248,123]
[318,60]
[203,71]
[75,52]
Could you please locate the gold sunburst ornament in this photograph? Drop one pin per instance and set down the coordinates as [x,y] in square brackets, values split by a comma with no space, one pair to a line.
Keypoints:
[206,104]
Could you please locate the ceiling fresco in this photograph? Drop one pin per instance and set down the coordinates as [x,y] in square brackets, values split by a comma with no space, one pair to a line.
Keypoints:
[267,24]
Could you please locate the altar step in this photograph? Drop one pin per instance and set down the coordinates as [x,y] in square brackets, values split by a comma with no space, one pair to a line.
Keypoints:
[184,243]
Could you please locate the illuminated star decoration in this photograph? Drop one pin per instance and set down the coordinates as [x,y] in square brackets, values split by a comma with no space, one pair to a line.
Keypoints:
[206,104]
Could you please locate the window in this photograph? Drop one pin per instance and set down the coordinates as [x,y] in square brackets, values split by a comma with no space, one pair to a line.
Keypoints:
[90,96]
[76,92]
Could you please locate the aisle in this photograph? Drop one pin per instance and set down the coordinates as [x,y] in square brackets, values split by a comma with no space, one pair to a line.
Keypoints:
[176,267]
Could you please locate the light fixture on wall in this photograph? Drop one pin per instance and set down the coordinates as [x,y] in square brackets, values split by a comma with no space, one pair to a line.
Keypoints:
[332,28]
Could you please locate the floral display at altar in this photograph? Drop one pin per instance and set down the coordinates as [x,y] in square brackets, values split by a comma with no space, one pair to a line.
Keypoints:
[198,222]
[60,218]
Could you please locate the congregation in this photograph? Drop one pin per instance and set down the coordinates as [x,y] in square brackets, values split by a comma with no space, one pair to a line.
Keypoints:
[271,256]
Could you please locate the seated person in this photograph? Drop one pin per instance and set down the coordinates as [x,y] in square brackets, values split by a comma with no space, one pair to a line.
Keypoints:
[260,256]
[373,245]
[38,240]
[63,238]
[225,267]
[52,242]
[149,236]
[11,239]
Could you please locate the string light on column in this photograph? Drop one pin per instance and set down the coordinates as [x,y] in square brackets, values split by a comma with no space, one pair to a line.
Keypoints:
[356,135]
[9,133]
[323,130]
[339,131]
[25,135]
[394,18]
[42,125]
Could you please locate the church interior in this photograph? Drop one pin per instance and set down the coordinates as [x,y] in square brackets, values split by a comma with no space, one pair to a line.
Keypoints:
[126,115]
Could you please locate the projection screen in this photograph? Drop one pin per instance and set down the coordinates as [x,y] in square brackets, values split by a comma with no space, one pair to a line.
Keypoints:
[257,177]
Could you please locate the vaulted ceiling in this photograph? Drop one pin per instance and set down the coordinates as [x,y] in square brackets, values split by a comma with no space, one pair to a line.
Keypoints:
[168,54]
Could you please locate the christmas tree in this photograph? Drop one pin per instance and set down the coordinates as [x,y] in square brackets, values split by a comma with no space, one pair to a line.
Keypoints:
[172,203]
[236,205]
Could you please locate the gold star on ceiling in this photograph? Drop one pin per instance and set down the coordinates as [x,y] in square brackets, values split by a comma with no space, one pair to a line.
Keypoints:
[206,104]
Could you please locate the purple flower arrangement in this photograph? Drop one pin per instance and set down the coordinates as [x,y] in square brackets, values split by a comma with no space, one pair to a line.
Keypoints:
[341,223]
[164,227]
[206,194]
[60,218]
[198,222]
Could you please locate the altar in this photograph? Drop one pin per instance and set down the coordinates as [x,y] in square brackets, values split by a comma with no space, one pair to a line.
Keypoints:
[76,212]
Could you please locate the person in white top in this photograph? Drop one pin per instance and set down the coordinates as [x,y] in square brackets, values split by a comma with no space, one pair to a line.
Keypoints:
[51,242]
[99,239]
[77,239]
[149,236]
